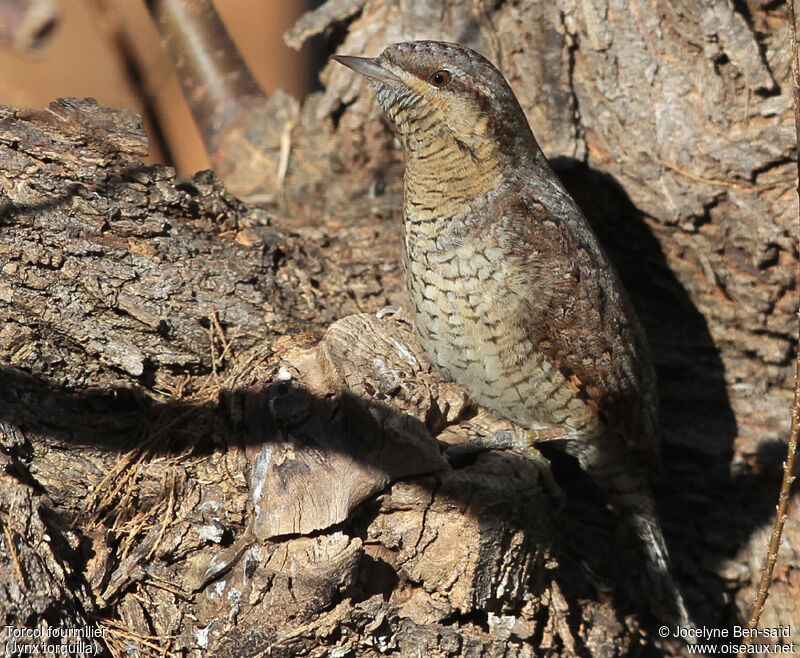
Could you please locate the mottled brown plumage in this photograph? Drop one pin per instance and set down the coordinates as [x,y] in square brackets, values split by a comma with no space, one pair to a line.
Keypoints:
[514,298]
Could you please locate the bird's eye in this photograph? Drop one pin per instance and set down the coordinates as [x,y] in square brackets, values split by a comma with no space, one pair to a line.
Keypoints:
[440,79]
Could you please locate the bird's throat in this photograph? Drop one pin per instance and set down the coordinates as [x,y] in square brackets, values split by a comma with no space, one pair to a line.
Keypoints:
[443,178]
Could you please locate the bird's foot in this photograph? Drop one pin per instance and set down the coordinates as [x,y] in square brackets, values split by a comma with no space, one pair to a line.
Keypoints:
[389,310]
[523,442]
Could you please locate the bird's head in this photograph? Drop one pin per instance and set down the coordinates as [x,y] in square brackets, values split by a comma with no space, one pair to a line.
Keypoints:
[431,90]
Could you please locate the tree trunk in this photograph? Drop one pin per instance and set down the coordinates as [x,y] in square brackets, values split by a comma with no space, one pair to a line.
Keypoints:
[211,444]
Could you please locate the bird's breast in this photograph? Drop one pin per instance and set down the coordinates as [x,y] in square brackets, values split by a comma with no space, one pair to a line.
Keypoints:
[472,326]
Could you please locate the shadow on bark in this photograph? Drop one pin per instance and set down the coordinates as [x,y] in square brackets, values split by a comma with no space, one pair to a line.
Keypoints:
[699,489]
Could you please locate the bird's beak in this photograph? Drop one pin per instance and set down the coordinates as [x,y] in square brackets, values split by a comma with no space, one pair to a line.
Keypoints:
[369,67]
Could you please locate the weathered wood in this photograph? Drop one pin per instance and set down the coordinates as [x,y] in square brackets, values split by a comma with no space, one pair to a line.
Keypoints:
[134,304]
[672,125]
[132,269]
[214,479]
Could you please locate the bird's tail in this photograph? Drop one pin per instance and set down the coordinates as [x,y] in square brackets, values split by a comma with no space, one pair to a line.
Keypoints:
[664,590]
[629,492]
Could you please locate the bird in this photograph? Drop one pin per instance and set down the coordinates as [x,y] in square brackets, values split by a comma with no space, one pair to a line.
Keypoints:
[513,297]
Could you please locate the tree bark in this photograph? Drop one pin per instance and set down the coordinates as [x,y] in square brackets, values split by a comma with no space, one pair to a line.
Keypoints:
[211,444]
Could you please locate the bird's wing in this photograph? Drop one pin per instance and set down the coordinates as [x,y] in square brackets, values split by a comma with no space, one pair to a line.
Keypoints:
[580,316]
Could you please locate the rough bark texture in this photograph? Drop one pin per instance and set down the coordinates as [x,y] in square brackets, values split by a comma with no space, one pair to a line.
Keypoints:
[211,445]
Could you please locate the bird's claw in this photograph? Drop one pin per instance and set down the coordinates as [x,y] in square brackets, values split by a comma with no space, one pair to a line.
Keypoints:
[519,441]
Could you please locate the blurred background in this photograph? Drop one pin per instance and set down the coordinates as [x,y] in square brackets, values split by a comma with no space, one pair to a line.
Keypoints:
[110,50]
